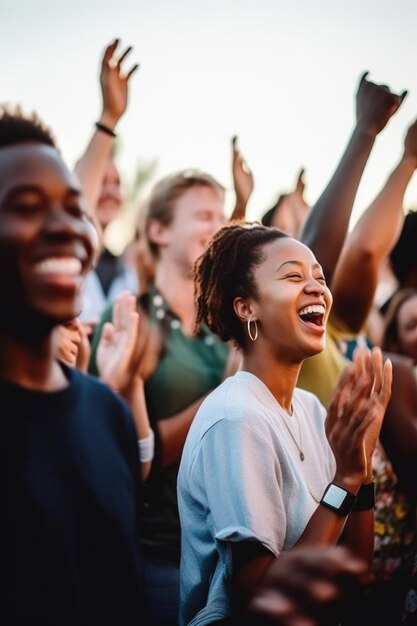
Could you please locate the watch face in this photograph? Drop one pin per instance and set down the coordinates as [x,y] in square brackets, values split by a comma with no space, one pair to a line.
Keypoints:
[335,496]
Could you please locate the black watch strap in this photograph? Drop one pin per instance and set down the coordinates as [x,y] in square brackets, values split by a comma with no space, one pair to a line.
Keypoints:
[365,500]
[338,499]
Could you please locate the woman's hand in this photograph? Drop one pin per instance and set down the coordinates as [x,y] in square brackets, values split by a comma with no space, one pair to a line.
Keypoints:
[355,416]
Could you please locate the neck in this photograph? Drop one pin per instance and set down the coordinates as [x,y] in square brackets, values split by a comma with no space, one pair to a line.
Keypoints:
[31,365]
[280,377]
[178,290]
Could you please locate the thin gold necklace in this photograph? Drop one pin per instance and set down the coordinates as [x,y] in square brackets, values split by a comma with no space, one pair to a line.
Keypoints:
[299,446]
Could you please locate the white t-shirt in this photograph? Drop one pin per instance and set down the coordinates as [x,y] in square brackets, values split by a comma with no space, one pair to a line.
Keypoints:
[241,478]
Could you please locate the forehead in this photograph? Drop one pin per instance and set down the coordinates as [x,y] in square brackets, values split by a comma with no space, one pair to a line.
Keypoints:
[33,164]
[408,308]
[285,250]
[200,197]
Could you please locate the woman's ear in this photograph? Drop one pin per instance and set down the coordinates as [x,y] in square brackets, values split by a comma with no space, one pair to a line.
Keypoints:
[243,309]
[158,233]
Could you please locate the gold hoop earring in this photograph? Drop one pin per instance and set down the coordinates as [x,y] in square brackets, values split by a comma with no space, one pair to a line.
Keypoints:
[255,336]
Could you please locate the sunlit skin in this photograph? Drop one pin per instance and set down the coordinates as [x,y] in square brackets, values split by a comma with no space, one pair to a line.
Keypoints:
[288,280]
[287,217]
[407,328]
[46,244]
[110,200]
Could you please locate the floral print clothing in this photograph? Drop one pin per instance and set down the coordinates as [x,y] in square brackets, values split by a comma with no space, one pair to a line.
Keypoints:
[395,521]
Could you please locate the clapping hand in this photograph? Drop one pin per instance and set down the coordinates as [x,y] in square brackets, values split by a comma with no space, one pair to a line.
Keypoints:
[356,412]
[116,349]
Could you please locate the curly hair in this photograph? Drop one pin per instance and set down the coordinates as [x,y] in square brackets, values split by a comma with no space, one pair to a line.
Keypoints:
[15,128]
[226,271]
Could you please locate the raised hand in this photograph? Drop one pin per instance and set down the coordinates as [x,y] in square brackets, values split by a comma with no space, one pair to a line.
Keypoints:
[298,204]
[117,343]
[355,414]
[375,105]
[242,181]
[114,84]
[410,143]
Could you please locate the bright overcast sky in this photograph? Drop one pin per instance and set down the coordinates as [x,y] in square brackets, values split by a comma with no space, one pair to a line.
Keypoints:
[280,74]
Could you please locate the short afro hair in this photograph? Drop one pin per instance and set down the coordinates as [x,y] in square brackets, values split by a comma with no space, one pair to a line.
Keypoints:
[16,128]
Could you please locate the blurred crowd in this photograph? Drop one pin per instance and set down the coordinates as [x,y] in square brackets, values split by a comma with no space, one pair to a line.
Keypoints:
[219,425]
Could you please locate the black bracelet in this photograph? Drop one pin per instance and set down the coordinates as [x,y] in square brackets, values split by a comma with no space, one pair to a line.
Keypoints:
[105,129]
[365,499]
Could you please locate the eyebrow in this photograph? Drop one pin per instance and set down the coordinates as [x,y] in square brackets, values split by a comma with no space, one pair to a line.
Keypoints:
[20,189]
[294,262]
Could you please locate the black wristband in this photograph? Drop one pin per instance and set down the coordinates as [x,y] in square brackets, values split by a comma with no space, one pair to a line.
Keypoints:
[365,499]
[105,129]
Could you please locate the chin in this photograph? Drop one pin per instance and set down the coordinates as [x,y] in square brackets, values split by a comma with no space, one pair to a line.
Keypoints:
[315,350]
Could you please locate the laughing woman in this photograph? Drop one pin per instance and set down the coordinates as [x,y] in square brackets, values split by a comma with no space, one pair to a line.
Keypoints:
[263,468]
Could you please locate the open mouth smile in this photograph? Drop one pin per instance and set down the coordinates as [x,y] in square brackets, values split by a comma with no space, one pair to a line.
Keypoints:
[313,314]
[63,272]
[64,266]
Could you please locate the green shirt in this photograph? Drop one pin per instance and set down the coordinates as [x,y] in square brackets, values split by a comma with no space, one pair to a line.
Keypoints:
[189,368]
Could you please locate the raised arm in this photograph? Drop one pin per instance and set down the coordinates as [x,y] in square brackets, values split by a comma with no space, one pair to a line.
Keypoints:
[114,83]
[371,241]
[242,181]
[326,224]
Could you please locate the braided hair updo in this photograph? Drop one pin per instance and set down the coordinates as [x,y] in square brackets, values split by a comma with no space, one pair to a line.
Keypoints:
[225,272]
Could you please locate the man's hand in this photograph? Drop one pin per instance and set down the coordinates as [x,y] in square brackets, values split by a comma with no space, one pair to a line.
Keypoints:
[375,105]
[114,84]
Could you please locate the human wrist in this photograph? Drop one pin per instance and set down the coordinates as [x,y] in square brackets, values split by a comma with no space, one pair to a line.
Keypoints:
[146,446]
[338,499]
[365,130]
[351,483]
[109,120]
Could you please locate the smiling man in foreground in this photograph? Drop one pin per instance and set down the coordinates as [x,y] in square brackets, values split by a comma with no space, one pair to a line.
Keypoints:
[68,451]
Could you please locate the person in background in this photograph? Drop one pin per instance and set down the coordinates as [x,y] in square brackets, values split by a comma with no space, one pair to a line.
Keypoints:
[355,268]
[100,181]
[185,210]
[289,211]
[400,332]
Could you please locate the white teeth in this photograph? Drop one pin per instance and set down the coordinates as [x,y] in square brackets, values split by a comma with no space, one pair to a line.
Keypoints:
[314,308]
[68,266]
